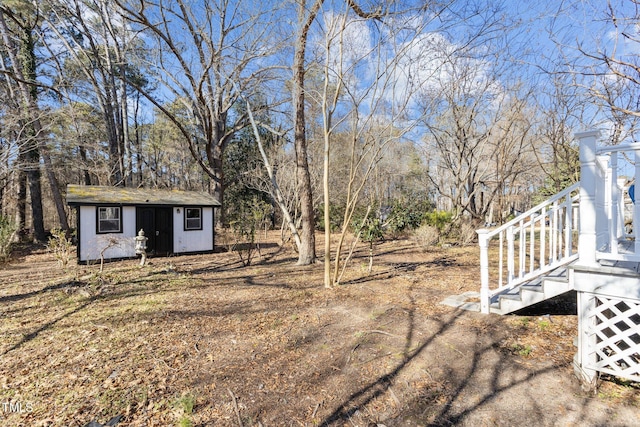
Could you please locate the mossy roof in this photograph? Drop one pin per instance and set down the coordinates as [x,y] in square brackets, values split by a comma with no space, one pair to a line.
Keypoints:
[104,195]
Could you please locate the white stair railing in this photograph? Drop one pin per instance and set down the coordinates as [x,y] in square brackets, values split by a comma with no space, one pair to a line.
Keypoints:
[530,245]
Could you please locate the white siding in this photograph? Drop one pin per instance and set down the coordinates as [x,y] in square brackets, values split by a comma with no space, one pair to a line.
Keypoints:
[91,243]
[192,240]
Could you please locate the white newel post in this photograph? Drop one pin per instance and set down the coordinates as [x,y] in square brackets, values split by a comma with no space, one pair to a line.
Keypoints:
[588,184]
[483,241]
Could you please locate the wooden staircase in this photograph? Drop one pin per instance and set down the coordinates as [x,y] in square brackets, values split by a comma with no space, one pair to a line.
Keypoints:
[524,261]
[511,300]
[543,253]
[527,294]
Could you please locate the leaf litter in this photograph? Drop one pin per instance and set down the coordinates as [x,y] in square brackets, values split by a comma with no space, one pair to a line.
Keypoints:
[201,340]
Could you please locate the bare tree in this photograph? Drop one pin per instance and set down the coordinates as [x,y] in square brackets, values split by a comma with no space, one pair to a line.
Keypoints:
[615,66]
[200,52]
[561,111]
[480,143]
[19,47]
[475,110]
[306,16]
[597,55]
[363,117]
[90,47]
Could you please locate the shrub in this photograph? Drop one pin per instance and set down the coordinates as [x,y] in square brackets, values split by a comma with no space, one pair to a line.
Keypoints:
[406,216]
[467,233]
[441,220]
[7,233]
[249,218]
[370,231]
[336,216]
[61,247]
[426,236]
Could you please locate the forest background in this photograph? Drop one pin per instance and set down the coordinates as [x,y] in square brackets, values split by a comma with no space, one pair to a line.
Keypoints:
[353,117]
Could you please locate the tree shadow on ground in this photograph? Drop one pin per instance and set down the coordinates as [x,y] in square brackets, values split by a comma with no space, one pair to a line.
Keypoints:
[65,284]
[381,385]
[393,270]
[32,335]
[449,412]
[70,287]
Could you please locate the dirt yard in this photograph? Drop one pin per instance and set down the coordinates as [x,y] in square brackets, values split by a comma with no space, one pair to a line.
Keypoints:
[202,341]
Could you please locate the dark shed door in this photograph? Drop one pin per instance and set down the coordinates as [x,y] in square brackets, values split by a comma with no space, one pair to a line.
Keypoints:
[157,224]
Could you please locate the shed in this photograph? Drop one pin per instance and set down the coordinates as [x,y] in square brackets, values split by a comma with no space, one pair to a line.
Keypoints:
[109,218]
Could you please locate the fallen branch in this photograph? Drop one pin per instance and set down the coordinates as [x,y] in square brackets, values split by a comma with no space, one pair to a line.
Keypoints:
[377,331]
[315,411]
[235,407]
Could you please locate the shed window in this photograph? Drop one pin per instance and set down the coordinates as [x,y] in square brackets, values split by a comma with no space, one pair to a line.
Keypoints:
[193,219]
[109,219]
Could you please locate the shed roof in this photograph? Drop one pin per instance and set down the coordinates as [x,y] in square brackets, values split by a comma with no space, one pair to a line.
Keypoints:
[101,195]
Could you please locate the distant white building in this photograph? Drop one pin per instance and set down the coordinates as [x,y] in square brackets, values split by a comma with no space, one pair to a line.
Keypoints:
[109,218]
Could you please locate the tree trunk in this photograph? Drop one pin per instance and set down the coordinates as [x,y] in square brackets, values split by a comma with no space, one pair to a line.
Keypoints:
[218,181]
[278,198]
[86,177]
[55,189]
[21,217]
[24,68]
[307,253]
[327,213]
[35,195]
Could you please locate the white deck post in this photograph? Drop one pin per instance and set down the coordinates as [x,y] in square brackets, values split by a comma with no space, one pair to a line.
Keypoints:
[586,357]
[588,183]
[636,205]
[483,241]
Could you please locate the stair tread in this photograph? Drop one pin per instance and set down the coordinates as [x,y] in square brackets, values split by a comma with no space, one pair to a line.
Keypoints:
[535,291]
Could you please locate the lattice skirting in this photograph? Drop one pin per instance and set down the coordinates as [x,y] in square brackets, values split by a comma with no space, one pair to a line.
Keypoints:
[613,335]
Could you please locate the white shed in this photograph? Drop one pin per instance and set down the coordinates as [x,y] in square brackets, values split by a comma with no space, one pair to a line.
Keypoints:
[109,218]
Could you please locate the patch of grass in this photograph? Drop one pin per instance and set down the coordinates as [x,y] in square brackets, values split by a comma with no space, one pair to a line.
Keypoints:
[544,325]
[185,404]
[614,389]
[612,394]
[521,350]
[115,400]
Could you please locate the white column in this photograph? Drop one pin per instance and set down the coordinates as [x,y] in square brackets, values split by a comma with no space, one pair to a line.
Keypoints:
[588,183]
[483,241]
[636,204]
[586,360]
